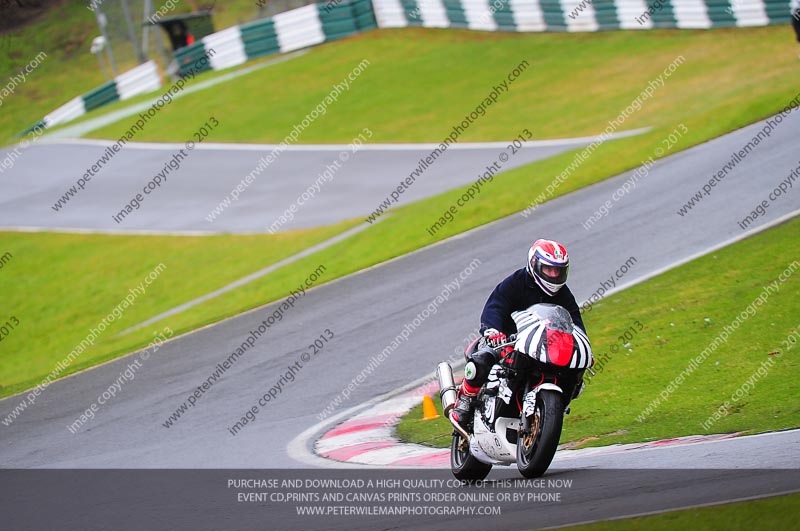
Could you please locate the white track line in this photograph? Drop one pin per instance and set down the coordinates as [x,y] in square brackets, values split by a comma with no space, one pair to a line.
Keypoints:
[249,278]
[219,146]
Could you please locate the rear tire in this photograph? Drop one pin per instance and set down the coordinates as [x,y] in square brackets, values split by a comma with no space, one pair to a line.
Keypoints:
[463,464]
[535,452]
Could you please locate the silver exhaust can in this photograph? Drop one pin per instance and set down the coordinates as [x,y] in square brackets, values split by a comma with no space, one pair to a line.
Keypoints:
[447,387]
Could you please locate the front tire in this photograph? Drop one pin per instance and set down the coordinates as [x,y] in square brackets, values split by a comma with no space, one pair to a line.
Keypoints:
[535,451]
[463,464]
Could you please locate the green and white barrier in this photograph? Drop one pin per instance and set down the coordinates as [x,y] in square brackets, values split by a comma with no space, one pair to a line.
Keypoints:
[285,32]
[143,78]
[579,15]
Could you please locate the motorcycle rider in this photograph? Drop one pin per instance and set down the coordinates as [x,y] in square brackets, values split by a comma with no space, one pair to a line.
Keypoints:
[542,280]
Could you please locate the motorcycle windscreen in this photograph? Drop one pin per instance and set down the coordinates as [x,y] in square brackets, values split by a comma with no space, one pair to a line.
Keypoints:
[553,316]
[546,333]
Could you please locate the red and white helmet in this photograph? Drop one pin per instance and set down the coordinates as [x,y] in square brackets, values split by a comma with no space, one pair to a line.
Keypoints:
[548,264]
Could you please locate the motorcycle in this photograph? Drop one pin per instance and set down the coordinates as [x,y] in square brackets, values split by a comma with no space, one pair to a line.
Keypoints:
[520,409]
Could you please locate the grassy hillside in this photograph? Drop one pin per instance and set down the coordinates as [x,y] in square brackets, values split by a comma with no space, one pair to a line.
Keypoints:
[422,82]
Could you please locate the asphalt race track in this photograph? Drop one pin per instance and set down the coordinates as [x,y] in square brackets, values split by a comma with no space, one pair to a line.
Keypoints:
[204,500]
[366,310]
[357,182]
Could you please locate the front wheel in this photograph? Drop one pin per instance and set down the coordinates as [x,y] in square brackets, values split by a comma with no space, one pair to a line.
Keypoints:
[463,464]
[535,450]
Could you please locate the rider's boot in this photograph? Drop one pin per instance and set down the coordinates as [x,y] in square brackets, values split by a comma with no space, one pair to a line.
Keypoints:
[465,405]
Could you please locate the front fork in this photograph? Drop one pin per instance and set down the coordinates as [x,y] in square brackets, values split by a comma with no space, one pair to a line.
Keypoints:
[528,430]
[524,423]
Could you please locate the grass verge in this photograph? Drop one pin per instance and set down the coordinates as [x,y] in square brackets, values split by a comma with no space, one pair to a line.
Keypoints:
[60,286]
[770,513]
[667,328]
[574,85]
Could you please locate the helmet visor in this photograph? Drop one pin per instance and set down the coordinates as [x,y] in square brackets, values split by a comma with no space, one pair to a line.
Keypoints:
[555,274]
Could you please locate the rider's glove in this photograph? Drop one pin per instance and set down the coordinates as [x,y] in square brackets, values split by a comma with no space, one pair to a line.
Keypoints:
[493,336]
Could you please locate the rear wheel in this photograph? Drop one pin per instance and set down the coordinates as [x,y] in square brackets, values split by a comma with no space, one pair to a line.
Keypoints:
[463,464]
[535,450]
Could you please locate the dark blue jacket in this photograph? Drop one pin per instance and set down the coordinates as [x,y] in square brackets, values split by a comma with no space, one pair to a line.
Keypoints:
[518,292]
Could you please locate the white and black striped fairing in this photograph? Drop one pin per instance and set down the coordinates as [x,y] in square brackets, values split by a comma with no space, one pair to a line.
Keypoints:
[532,325]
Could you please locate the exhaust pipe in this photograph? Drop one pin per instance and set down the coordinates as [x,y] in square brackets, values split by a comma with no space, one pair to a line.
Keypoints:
[447,387]
[447,393]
